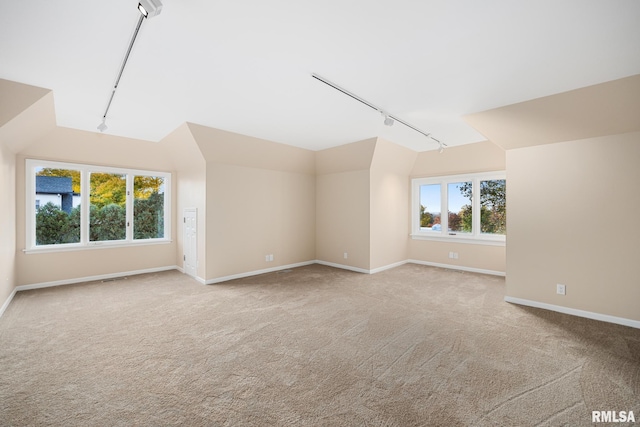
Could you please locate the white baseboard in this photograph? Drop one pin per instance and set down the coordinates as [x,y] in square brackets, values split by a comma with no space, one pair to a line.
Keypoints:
[255,272]
[301,264]
[93,278]
[196,278]
[575,312]
[520,301]
[459,267]
[388,267]
[343,267]
[7,302]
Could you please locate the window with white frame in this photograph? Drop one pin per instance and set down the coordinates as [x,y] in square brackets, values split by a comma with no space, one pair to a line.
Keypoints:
[73,206]
[468,208]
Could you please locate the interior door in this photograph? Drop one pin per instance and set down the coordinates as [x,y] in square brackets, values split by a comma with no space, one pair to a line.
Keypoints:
[190,247]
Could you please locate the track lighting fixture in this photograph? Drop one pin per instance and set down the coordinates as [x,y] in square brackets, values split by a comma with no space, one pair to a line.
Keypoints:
[148,9]
[388,118]
[102,126]
[143,10]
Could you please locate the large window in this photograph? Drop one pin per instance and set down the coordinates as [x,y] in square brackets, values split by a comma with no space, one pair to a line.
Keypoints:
[71,206]
[467,208]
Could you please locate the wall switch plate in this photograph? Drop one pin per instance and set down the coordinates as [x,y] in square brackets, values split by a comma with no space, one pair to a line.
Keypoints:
[561,289]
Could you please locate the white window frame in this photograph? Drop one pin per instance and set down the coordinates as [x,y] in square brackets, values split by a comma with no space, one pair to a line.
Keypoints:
[444,235]
[85,173]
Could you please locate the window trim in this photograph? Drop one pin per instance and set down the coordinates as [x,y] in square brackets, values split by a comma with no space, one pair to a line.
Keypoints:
[475,237]
[85,172]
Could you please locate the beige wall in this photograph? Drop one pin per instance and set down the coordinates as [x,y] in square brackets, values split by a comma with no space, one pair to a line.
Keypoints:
[22,97]
[26,113]
[190,180]
[343,204]
[472,158]
[389,203]
[86,147]
[7,223]
[609,108]
[260,200]
[571,220]
[252,213]
[343,222]
[27,116]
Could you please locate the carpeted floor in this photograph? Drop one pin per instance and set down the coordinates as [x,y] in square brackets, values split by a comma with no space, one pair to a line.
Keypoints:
[312,346]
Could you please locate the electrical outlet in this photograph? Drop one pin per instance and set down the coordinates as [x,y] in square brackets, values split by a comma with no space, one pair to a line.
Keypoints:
[346,255]
[266,258]
[561,289]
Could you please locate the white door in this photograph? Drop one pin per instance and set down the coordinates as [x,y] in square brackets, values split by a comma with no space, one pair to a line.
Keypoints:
[189,242]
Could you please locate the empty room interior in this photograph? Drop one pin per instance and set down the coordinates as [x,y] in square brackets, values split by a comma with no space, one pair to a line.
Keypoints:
[334,213]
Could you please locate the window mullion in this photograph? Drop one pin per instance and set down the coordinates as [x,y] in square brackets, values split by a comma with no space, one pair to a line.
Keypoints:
[444,203]
[477,207]
[415,203]
[30,181]
[85,205]
[129,207]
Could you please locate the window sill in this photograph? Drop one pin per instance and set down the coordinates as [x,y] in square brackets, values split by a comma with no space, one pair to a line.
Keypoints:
[94,245]
[460,239]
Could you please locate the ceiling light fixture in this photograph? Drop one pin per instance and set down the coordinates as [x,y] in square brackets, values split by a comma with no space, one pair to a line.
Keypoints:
[102,126]
[143,10]
[388,118]
[148,9]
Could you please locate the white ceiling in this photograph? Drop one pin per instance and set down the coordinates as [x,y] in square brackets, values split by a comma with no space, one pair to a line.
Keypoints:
[245,66]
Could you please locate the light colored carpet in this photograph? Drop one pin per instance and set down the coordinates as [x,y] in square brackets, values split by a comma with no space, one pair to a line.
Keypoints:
[313,346]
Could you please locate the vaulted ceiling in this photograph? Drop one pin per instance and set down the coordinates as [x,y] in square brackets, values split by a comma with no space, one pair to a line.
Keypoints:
[245,66]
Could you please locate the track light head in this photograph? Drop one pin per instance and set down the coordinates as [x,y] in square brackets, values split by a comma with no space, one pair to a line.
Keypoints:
[150,8]
[102,126]
[388,121]
[142,10]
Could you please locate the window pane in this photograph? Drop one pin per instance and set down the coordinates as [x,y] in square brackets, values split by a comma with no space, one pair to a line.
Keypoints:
[108,207]
[460,207]
[57,203]
[430,207]
[493,202]
[148,207]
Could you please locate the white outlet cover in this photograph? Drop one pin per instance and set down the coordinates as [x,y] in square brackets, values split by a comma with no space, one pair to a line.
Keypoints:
[561,289]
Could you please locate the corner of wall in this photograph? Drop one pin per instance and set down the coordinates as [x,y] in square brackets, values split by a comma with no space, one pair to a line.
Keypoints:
[7,224]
